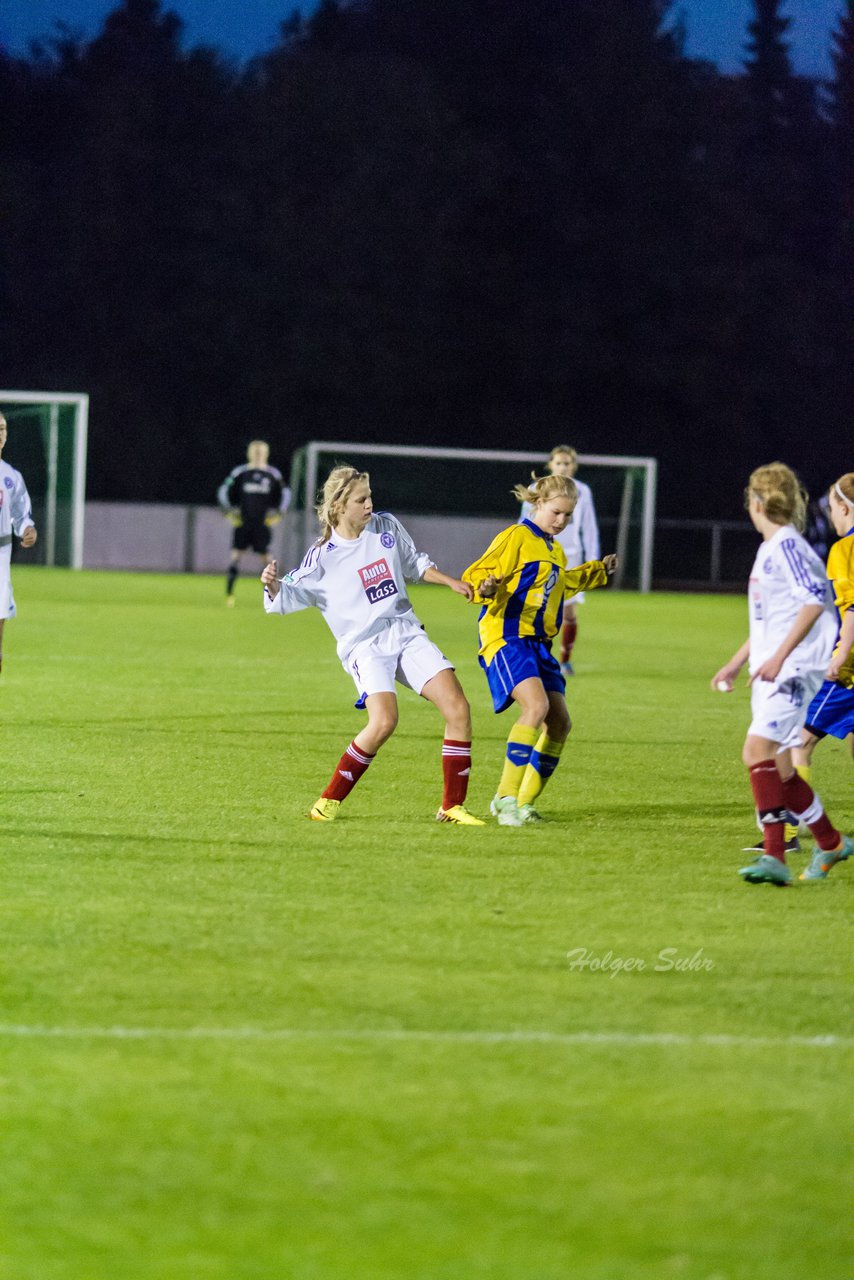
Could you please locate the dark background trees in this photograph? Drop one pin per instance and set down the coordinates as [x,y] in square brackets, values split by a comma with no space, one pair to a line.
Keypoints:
[477,223]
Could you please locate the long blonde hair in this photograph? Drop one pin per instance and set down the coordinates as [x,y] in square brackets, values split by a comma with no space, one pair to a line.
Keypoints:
[333,497]
[542,488]
[781,493]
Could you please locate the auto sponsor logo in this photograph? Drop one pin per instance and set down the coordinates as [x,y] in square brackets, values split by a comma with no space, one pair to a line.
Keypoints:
[378,581]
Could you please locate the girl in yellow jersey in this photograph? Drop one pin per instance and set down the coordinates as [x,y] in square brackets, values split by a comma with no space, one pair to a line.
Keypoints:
[522,581]
[832,709]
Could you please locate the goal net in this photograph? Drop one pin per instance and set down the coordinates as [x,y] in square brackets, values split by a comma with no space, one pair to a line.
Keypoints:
[453,501]
[47,444]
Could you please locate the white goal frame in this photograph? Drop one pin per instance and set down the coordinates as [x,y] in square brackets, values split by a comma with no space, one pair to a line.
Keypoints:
[51,400]
[649,466]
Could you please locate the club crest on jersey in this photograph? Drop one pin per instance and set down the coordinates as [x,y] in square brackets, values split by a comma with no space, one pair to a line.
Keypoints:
[9,482]
[387,539]
[378,581]
[768,565]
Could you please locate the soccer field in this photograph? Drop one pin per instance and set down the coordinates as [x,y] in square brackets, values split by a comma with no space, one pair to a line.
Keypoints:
[242,1046]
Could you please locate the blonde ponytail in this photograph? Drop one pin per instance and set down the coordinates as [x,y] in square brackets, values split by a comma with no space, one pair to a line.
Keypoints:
[781,493]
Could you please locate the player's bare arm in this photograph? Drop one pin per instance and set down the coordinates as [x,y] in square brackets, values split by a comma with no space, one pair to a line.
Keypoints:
[724,679]
[270,579]
[804,622]
[444,580]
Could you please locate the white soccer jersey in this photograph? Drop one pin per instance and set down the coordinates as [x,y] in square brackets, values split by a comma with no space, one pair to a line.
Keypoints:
[358,585]
[580,538]
[15,507]
[786,575]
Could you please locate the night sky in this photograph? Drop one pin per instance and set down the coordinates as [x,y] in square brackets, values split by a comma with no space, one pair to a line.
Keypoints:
[716,28]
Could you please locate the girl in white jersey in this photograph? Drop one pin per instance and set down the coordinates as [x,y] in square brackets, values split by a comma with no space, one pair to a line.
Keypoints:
[792,632]
[580,541]
[15,517]
[356,575]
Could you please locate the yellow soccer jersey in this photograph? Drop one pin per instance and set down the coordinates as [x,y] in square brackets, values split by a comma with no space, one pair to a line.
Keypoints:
[534,583]
[840,570]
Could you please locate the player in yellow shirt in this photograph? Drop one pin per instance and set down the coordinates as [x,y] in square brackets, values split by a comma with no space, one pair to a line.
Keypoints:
[522,581]
[832,709]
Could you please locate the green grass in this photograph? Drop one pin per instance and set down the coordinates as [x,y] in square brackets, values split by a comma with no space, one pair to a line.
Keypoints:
[241,1045]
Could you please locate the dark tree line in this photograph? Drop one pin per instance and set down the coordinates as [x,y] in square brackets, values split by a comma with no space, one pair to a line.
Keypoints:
[465,222]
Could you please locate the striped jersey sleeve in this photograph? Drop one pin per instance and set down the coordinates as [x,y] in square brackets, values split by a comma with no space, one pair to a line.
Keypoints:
[807,583]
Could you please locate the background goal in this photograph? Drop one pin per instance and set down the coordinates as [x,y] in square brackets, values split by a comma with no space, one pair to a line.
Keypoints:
[453,501]
[47,443]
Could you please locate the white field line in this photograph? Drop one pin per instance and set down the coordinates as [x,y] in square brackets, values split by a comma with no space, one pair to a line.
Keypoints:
[381,1035]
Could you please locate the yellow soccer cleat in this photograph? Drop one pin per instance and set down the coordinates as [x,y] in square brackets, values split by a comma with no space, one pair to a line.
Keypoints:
[459,815]
[324,810]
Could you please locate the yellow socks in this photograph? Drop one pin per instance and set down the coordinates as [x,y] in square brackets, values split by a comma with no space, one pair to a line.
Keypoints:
[520,744]
[542,764]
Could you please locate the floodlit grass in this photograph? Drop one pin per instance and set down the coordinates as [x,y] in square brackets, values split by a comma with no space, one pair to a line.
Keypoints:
[242,1046]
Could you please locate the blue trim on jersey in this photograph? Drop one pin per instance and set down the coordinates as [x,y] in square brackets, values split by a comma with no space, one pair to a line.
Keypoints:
[832,711]
[535,528]
[539,617]
[800,569]
[516,603]
[521,659]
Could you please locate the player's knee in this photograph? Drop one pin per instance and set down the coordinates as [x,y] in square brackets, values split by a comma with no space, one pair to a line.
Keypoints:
[755,750]
[383,724]
[459,714]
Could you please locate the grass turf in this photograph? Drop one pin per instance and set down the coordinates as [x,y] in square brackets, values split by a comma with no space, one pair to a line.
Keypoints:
[239,1044]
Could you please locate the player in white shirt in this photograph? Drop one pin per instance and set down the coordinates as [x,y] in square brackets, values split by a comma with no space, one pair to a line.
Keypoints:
[356,575]
[15,517]
[792,634]
[580,541]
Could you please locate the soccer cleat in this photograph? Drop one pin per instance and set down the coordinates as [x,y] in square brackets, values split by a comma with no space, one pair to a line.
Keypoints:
[766,870]
[324,810]
[528,814]
[791,846]
[567,668]
[506,810]
[459,815]
[823,859]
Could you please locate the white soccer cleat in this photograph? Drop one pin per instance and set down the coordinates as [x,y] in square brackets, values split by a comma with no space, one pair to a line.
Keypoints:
[506,810]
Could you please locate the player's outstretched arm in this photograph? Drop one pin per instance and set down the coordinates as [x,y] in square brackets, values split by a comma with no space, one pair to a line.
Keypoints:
[444,580]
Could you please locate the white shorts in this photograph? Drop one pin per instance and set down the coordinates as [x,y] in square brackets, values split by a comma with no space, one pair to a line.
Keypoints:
[7,600]
[779,708]
[401,653]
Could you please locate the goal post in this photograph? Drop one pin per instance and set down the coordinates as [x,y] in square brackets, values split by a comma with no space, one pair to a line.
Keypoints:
[464,493]
[47,443]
